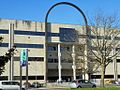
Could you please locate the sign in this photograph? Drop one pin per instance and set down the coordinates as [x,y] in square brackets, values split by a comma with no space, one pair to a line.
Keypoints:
[23,57]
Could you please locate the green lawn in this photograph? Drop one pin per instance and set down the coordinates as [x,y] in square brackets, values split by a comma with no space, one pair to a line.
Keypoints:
[114,88]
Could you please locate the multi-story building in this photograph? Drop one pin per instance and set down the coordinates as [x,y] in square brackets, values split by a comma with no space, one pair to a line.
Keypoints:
[63,51]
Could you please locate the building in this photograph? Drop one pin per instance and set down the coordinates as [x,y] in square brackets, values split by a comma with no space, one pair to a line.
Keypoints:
[63,46]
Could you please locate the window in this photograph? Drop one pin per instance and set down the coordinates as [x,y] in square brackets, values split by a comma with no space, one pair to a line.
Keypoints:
[55,48]
[21,45]
[99,76]
[67,35]
[6,83]
[52,48]
[10,83]
[36,59]
[56,60]
[29,77]
[31,58]
[68,48]
[50,60]
[118,60]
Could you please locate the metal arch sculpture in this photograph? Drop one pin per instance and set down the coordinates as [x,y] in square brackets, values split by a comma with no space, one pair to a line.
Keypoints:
[66,3]
[46,22]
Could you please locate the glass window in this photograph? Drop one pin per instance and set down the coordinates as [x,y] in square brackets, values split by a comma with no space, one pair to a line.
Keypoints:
[6,83]
[50,60]
[35,58]
[56,60]
[52,48]
[15,83]
[10,83]
[68,48]
[118,60]
[68,35]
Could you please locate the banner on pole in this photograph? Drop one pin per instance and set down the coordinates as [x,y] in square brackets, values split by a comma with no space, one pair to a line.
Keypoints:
[23,57]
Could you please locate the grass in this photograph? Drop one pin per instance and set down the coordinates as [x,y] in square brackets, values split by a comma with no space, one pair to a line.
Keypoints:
[112,88]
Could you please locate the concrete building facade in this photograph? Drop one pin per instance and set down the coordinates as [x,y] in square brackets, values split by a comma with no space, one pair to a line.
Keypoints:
[64,45]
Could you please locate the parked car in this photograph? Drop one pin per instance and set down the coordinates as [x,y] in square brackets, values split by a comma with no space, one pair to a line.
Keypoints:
[36,85]
[112,83]
[28,83]
[82,84]
[108,81]
[117,83]
[10,85]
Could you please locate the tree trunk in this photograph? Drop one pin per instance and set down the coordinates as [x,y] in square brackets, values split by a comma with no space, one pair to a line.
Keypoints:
[102,75]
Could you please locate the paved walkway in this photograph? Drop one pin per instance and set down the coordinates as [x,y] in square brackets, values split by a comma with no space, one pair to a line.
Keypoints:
[53,86]
[64,85]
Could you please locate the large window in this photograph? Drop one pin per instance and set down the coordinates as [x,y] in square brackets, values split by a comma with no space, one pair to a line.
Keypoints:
[68,35]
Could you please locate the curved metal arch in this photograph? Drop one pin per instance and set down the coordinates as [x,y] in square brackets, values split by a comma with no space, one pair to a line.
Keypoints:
[66,3]
[46,22]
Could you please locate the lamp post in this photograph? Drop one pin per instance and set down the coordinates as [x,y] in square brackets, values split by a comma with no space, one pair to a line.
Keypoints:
[46,31]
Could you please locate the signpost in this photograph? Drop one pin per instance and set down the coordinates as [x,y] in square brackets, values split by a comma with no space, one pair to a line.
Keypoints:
[24,63]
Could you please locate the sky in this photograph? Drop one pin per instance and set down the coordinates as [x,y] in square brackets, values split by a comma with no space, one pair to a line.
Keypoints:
[35,10]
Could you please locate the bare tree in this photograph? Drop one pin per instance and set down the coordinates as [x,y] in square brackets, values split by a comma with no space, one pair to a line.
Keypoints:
[87,67]
[80,61]
[104,39]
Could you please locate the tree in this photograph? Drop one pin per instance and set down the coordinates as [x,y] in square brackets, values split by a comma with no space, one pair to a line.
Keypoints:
[1,39]
[88,67]
[5,58]
[79,60]
[104,40]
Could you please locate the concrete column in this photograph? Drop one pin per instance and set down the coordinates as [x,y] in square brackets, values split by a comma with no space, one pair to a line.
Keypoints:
[114,60]
[11,44]
[59,63]
[74,65]
[115,69]
[86,62]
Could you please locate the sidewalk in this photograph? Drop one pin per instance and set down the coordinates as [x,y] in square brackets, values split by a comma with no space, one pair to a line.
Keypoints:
[53,86]
[58,85]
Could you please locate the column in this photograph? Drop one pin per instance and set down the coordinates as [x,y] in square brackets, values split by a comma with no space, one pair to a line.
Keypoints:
[114,61]
[59,63]
[86,62]
[74,65]
[115,69]
[11,44]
